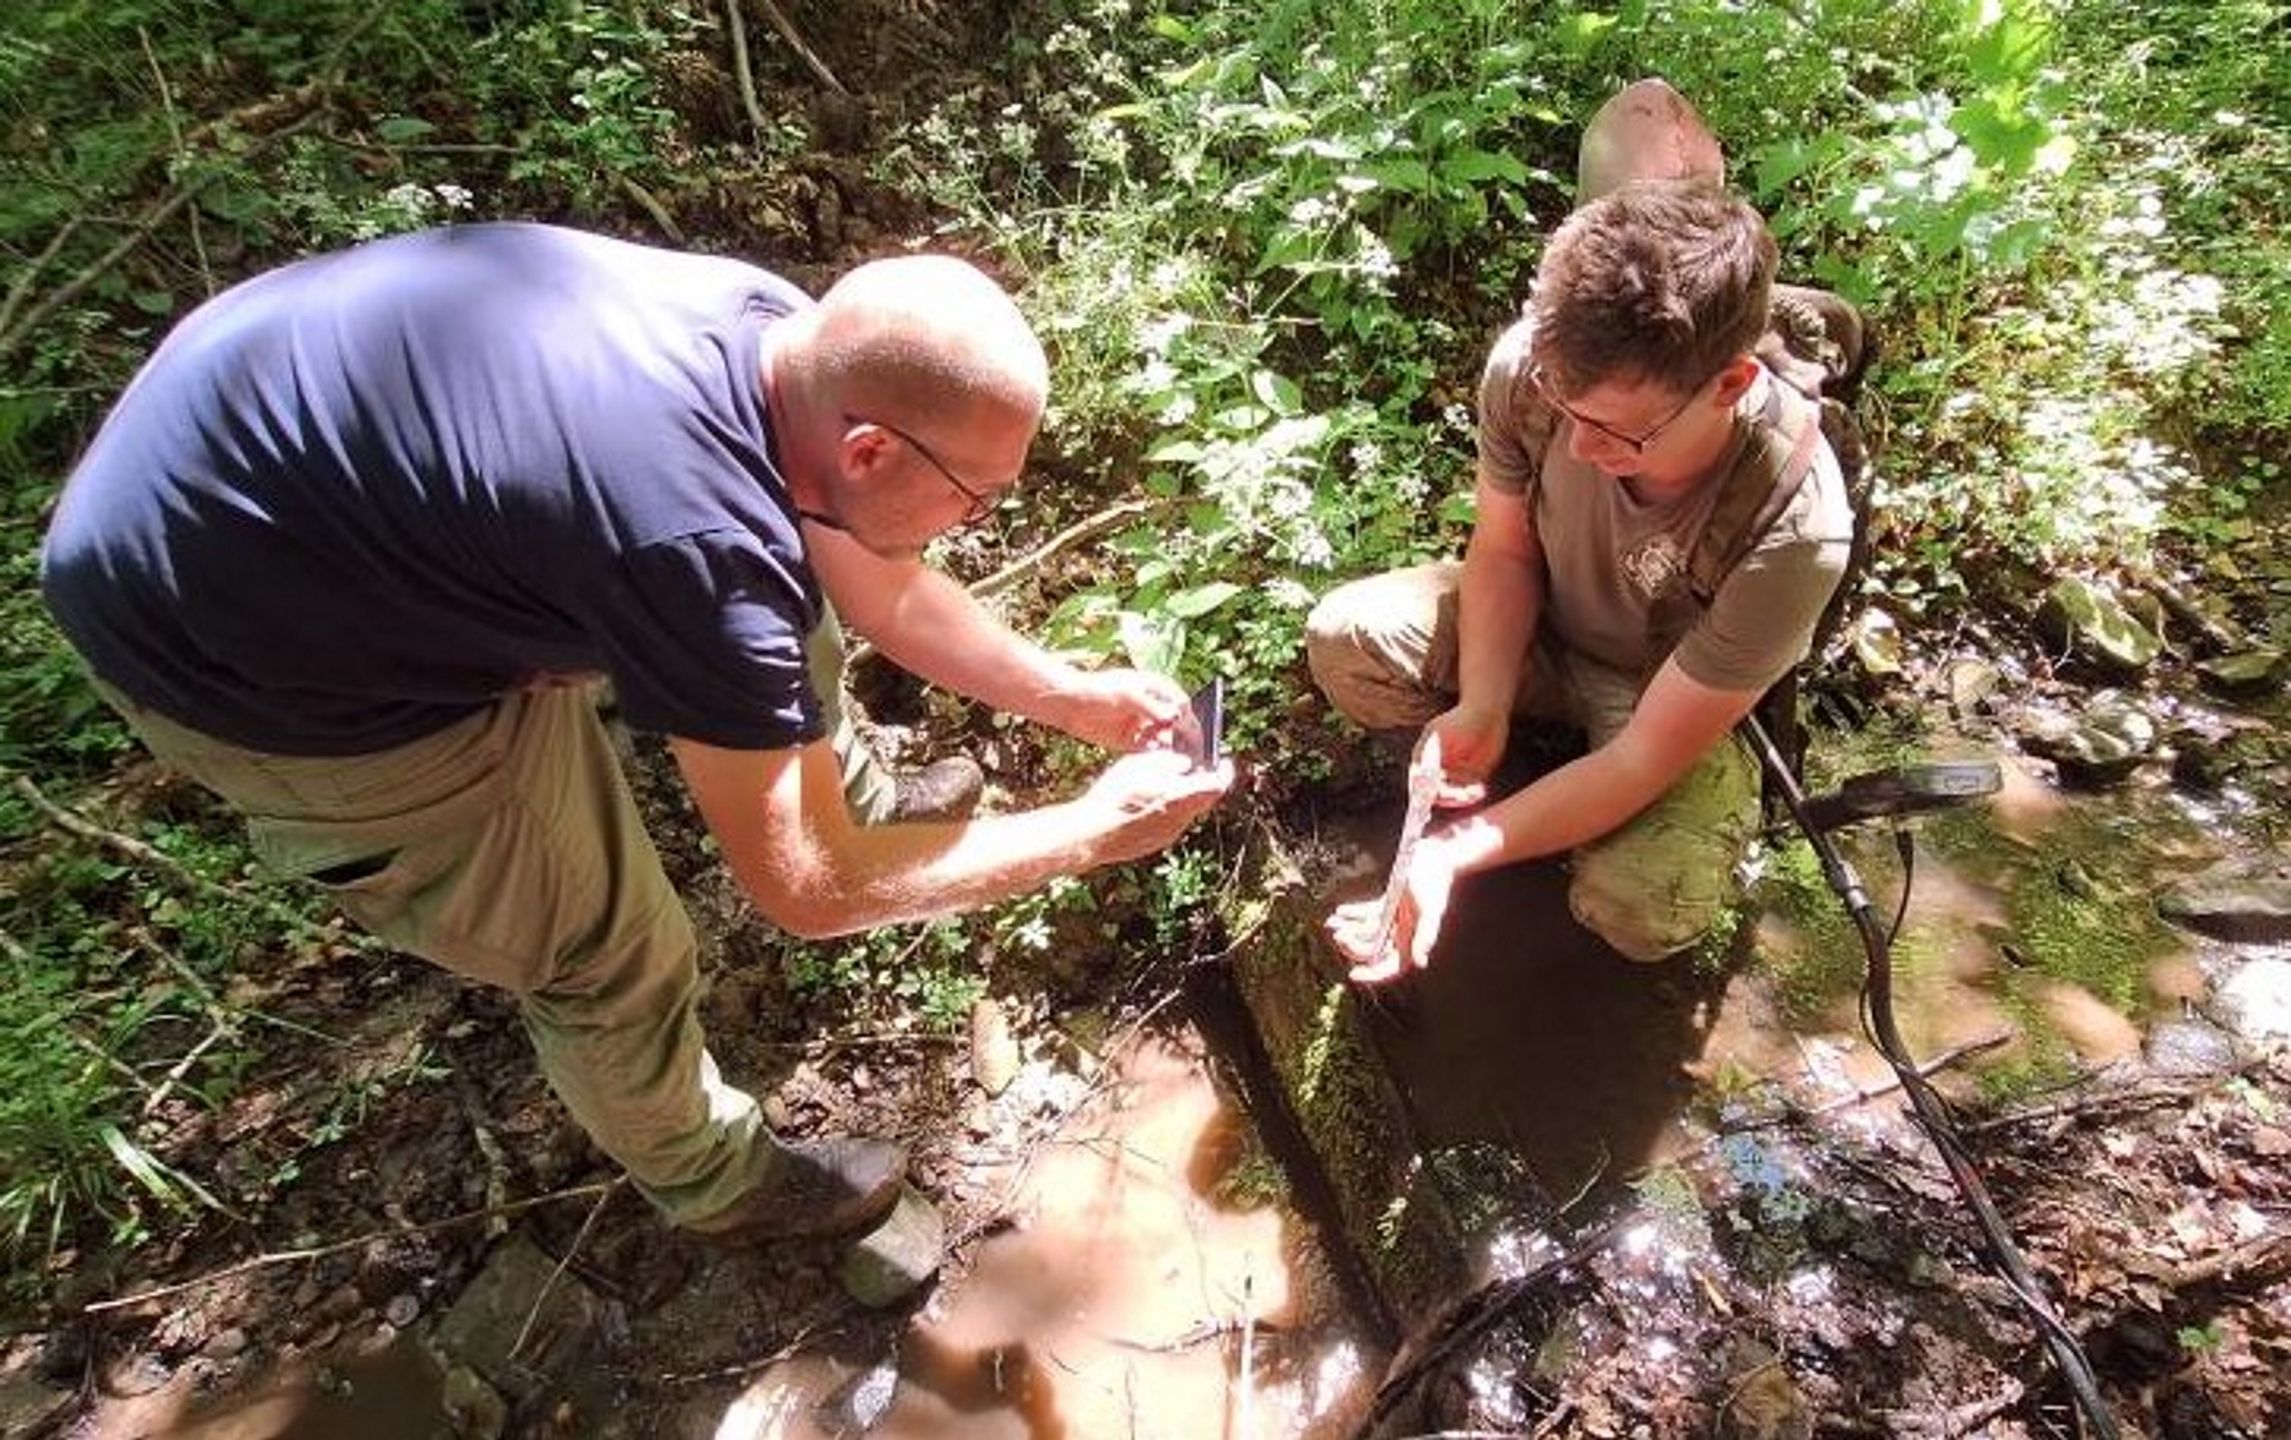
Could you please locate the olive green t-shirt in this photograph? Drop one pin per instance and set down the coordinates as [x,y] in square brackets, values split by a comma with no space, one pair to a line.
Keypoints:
[1610,558]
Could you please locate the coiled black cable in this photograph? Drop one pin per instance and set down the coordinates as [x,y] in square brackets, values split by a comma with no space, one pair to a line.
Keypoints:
[1926,1103]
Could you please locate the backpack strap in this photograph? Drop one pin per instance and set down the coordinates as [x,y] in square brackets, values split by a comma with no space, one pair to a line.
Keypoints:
[1757,488]
[1755,495]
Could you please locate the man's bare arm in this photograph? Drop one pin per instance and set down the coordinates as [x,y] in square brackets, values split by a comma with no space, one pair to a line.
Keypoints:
[930,626]
[1500,600]
[780,818]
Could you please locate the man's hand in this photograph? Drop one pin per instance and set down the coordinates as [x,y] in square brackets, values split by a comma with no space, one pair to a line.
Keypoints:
[1423,909]
[1472,741]
[1147,800]
[1125,710]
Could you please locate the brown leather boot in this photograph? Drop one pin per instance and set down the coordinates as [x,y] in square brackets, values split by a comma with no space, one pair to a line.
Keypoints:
[814,1189]
[942,790]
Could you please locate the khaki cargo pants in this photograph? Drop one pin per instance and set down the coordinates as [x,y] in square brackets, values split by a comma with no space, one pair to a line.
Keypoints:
[507,848]
[1384,651]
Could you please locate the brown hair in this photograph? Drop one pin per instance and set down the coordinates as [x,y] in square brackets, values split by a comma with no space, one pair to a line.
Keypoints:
[1661,280]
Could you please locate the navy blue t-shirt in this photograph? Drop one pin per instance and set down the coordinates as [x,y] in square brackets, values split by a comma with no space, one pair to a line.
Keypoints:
[356,499]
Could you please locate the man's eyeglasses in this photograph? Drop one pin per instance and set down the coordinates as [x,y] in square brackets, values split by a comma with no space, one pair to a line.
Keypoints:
[982,502]
[1636,444]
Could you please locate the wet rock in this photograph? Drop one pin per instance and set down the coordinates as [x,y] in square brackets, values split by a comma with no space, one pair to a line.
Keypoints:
[27,1402]
[1764,1403]
[2255,1002]
[2251,909]
[518,1284]
[2190,1047]
[2092,623]
[476,1409]
[994,1057]
[2100,747]
[1970,683]
[1876,642]
[402,1310]
[2251,672]
[2205,760]
[135,1373]
[226,1343]
[897,1257]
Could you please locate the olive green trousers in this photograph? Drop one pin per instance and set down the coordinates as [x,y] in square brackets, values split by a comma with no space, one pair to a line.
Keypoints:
[1383,649]
[507,848]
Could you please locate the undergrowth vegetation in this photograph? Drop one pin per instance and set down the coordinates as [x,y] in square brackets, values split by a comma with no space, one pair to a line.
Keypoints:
[1268,244]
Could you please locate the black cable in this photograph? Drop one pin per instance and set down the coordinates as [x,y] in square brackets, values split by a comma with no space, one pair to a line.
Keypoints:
[1926,1103]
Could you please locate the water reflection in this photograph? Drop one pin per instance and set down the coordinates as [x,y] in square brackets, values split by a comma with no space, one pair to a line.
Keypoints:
[1127,1300]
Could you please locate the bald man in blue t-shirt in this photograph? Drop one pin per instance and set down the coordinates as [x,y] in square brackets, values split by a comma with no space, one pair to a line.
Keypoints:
[342,544]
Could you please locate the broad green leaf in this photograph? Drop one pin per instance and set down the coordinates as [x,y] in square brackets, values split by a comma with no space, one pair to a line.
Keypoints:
[1279,393]
[398,129]
[1470,167]
[1199,601]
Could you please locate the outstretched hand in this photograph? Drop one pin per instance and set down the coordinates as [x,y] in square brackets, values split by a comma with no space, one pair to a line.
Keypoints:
[1147,800]
[1126,710]
[1423,909]
[1472,742]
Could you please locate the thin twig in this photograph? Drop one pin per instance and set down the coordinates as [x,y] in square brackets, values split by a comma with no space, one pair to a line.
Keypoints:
[2259,1257]
[525,1331]
[1933,1066]
[789,33]
[651,205]
[320,1252]
[71,822]
[223,1029]
[158,214]
[818,1329]
[39,262]
[175,138]
[741,68]
[1113,517]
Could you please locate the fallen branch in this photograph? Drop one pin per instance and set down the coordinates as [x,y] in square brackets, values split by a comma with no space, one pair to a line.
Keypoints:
[2142,1098]
[789,33]
[747,75]
[525,1331]
[1931,1067]
[320,1252]
[651,205]
[71,822]
[1113,517]
[2257,1259]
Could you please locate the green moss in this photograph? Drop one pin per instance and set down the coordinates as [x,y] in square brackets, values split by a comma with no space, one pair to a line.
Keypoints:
[1826,963]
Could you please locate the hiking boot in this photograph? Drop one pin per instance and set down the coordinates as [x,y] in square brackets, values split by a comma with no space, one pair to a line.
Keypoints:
[814,1189]
[1825,344]
[942,790]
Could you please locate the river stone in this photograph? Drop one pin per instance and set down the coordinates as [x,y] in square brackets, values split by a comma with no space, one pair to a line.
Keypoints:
[2252,909]
[994,1057]
[521,1292]
[897,1257]
[2091,622]
[2190,1047]
[2100,747]
[2256,1001]
[2249,673]
[477,1410]
[1971,682]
